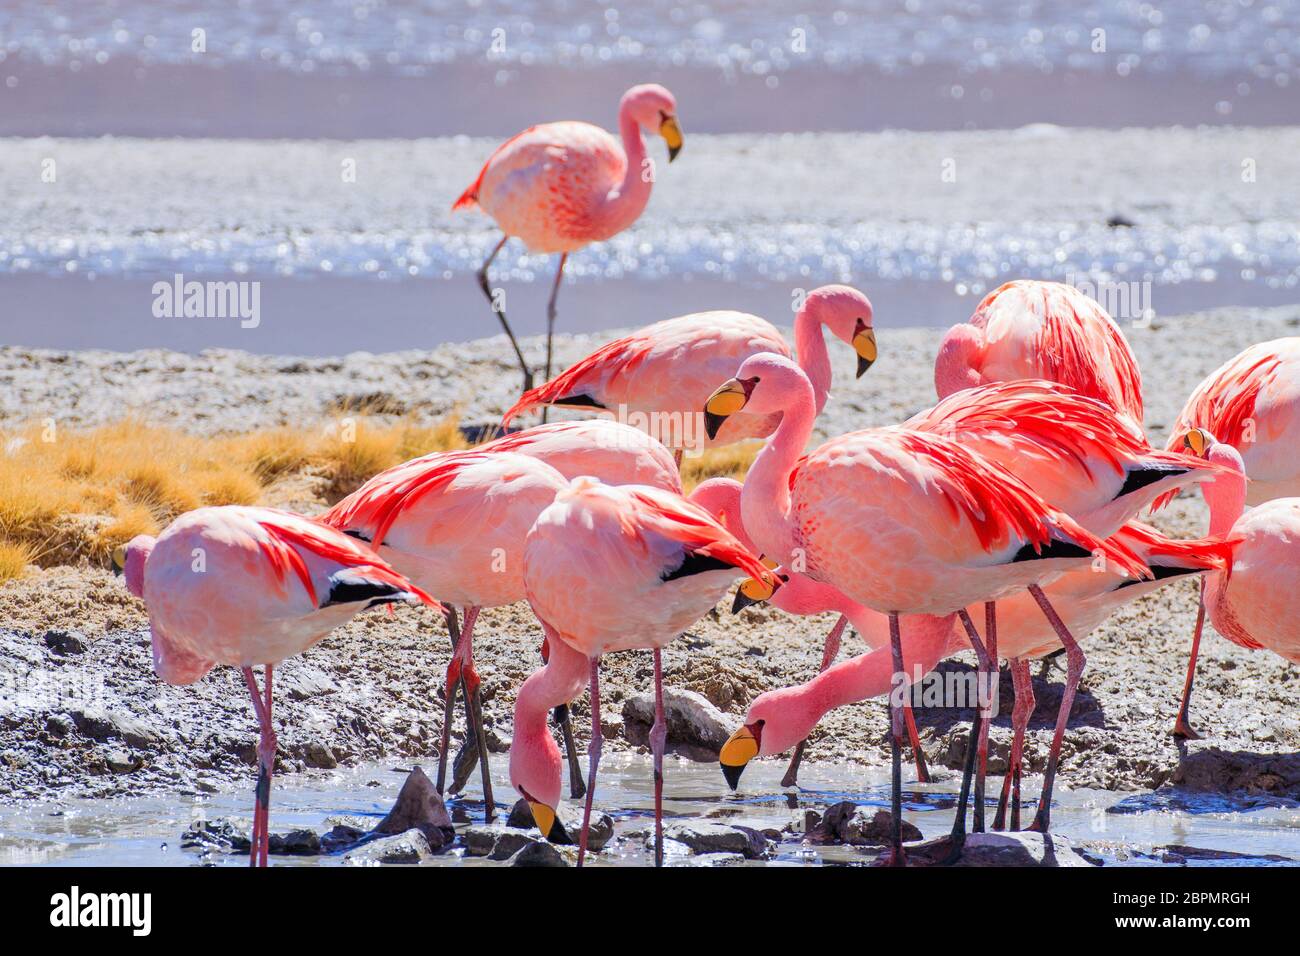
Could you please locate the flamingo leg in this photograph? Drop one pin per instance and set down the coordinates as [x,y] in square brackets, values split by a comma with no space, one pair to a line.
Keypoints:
[1182,728]
[658,739]
[551,313]
[1020,714]
[469,676]
[500,311]
[449,706]
[989,673]
[918,752]
[576,787]
[896,854]
[829,652]
[1073,671]
[260,842]
[593,758]
[958,838]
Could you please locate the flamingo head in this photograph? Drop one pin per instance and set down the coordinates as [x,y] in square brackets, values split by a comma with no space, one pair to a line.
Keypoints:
[129,561]
[765,383]
[654,109]
[847,313]
[960,358]
[536,772]
[775,722]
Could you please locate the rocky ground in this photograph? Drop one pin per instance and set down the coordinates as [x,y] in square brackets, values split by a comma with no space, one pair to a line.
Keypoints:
[81,713]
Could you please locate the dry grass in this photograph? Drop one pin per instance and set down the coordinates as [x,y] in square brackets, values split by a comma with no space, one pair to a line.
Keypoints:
[729,461]
[69,495]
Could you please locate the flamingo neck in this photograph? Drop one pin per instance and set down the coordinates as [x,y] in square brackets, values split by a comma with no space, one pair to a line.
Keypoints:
[628,200]
[535,759]
[1226,494]
[765,497]
[810,350]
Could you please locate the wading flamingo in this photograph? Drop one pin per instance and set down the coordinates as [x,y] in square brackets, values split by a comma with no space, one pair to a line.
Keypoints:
[562,186]
[1084,600]
[1254,603]
[664,372]
[454,522]
[247,586]
[904,522]
[802,596]
[1252,402]
[1045,330]
[611,568]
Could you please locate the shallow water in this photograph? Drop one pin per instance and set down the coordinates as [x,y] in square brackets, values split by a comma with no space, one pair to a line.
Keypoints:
[147,831]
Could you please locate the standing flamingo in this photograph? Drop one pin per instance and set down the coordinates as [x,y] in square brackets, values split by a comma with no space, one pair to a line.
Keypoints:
[455,522]
[1044,330]
[665,371]
[611,568]
[904,522]
[561,186]
[1252,402]
[1254,603]
[247,586]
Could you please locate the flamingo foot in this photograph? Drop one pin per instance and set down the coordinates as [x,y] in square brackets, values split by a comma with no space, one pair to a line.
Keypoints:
[791,778]
[1183,730]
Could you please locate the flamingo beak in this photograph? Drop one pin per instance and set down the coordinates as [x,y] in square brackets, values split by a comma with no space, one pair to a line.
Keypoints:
[1196,442]
[729,398]
[672,134]
[119,560]
[543,816]
[864,343]
[741,747]
[754,591]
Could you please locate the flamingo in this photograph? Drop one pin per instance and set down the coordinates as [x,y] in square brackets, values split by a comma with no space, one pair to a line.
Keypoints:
[664,372]
[947,528]
[1044,330]
[611,568]
[454,522]
[246,586]
[1084,599]
[1252,402]
[1252,603]
[561,186]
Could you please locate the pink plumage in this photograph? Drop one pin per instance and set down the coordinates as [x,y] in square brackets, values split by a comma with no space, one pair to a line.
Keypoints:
[1042,330]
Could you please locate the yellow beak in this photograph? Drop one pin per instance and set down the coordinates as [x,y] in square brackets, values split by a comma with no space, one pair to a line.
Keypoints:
[672,134]
[741,747]
[119,559]
[543,816]
[729,398]
[1195,441]
[864,343]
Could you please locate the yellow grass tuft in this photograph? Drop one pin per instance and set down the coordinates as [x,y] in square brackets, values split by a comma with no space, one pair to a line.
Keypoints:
[67,495]
[728,461]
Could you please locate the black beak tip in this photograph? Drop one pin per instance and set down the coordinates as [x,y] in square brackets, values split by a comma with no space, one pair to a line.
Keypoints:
[863,365]
[732,774]
[741,602]
[712,423]
[672,152]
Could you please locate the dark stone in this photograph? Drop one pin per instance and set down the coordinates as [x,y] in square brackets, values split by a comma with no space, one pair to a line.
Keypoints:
[294,843]
[409,847]
[66,642]
[846,822]
[319,755]
[538,854]
[419,807]
[568,824]
[1000,849]
[341,837]
[718,838]
[222,835]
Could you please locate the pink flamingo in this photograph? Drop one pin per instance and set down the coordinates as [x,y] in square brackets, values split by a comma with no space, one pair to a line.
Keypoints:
[248,586]
[1252,402]
[561,186]
[612,568]
[948,528]
[664,372]
[1044,330]
[1254,602]
[1083,598]
[802,596]
[454,522]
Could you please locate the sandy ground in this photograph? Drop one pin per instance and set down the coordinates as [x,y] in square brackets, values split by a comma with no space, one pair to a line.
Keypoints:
[82,714]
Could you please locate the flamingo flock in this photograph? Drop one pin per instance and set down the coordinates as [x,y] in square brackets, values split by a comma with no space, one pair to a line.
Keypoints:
[1004,520]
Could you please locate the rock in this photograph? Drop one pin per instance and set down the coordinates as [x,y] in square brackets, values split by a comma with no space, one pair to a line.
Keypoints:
[846,822]
[223,835]
[294,843]
[718,838]
[1212,770]
[419,807]
[304,683]
[538,853]
[341,837]
[520,816]
[511,842]
[119,761]
[65,642]
[59,725]
[409,847]
[1001,849]
[98,725]
[716,859]
[318,755]
[496,842]
[696,729]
